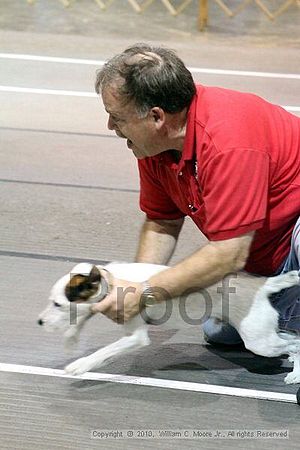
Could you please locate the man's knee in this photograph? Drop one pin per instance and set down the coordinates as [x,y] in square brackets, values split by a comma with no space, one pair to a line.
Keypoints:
[218,332]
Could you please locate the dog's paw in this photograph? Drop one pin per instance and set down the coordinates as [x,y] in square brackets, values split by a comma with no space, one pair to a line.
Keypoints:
[292,378]
[78,367]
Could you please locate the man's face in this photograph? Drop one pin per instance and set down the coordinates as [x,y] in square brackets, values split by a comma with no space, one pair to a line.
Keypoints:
[141,133]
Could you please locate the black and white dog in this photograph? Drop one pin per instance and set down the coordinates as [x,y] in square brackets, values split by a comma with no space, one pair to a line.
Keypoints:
[251,314]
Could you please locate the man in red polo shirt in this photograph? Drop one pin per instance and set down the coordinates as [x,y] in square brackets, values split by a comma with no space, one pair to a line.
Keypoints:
[229,160]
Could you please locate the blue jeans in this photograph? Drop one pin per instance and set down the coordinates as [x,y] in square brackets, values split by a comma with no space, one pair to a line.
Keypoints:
[286,302]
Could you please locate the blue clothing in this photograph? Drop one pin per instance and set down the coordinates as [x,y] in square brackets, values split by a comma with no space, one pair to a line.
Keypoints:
[286,302]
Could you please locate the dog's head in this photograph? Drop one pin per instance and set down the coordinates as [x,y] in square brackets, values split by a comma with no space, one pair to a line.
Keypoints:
[70,297]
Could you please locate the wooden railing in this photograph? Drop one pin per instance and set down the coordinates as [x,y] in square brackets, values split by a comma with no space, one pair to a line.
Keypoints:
[279,7]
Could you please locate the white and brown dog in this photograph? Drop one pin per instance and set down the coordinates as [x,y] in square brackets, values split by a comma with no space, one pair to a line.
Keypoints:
[251,313]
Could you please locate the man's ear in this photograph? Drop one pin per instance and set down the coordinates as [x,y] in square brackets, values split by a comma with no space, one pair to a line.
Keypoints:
[158,115]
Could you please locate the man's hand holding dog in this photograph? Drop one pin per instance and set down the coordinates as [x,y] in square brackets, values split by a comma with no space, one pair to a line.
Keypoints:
[122,303]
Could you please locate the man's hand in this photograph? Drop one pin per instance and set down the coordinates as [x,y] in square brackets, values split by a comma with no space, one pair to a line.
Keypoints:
[122,303]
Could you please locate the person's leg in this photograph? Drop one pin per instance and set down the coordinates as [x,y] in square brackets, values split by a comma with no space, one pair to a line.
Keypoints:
[287,302]
[293,258]
[218,332]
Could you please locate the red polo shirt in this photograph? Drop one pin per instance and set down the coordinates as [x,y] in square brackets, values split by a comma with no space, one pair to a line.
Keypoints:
[239,172]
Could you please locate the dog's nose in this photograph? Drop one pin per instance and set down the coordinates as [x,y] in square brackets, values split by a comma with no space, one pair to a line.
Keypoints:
[40,322]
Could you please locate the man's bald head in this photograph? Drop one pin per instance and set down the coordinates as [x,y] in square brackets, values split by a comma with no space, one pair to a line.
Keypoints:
[148,76]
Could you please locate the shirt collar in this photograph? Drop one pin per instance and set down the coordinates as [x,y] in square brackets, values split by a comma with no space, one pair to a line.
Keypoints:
[189,139]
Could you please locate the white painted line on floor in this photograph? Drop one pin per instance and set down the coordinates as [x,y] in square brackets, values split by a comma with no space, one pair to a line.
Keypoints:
[153,382]
[23,90]
[94,62]
[292,108]
[245,73]
[52,59]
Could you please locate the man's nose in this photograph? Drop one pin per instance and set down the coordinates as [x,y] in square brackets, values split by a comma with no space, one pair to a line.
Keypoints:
[111,124]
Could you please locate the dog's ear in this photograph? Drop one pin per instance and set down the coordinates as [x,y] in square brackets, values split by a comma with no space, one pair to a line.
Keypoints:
[94,276]
[83,286]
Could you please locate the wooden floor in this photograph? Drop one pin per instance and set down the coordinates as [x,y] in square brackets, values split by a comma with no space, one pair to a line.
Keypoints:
[69,193]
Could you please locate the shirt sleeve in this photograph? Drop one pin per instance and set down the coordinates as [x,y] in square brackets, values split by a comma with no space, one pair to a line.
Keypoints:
[154,200]
[235,192]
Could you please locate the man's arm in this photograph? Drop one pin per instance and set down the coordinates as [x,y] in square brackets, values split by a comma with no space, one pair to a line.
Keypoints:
[158,240]
[205,267]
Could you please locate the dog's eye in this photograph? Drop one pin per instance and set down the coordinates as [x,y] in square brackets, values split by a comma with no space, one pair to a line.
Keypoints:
[56,304]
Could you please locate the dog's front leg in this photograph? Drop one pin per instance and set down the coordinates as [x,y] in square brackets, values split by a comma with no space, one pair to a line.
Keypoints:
[78,318]
[71,336]
[126,344]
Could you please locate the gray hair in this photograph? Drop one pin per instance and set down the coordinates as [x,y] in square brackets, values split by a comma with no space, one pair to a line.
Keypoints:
[149,76]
